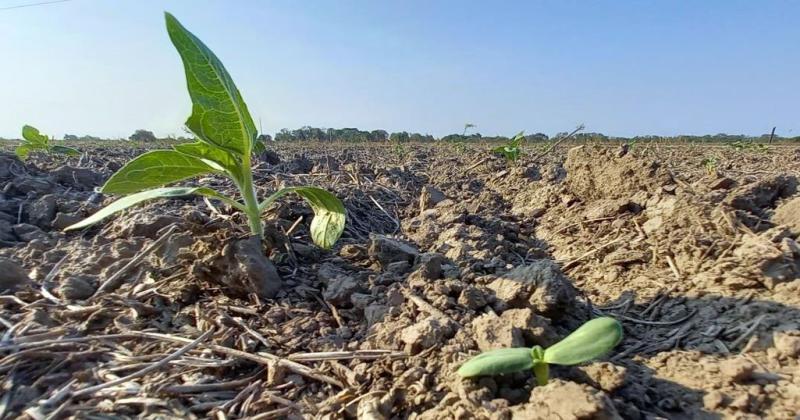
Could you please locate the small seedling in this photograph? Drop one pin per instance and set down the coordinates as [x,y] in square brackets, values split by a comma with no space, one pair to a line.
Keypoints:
[400,150]
[33,140]
[592,340]
[226,140]
[511,150]
[749,146]
[710,163]
[460,146]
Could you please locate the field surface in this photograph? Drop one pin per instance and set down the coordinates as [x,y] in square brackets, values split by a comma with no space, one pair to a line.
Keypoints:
[448,251]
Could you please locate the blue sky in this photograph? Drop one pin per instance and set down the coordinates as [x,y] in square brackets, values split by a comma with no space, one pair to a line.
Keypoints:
[106,67]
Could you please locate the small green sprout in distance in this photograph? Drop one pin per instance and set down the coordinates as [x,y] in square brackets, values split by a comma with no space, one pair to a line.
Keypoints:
[460,146]
[400,150]
[511,150]
[592,340]
[226,140]
[749,146]
[33,140]
[710,163]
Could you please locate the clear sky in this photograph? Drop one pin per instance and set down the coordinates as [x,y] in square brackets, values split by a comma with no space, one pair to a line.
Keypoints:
[106,67]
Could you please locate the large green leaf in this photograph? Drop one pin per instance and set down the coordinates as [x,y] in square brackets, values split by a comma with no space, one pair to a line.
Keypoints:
[593,339]
[154,169]
[66,150]
[518,139]
[134,199]
[23,150]
[329,213]
[219,114]
[34,137]
[201,150]
[329,216]
[497,362]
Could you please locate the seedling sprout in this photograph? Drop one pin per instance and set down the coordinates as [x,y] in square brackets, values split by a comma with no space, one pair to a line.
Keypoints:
[33,140]
[592,340]
[512,149]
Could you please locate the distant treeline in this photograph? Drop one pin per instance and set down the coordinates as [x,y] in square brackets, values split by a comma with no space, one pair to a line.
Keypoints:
[354,135]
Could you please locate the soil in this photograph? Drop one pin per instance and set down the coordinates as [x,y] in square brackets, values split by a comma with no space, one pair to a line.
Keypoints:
[170,310]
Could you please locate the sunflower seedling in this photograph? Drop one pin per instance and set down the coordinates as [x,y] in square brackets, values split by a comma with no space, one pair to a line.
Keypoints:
[512,149]
[710,163]
[226,138]
[593,339]
[33,140]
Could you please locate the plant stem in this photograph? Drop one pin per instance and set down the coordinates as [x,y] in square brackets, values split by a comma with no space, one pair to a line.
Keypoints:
[541,371]
[250,200]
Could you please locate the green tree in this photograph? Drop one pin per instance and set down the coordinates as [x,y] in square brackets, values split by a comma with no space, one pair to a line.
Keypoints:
[143,136]
[401,137]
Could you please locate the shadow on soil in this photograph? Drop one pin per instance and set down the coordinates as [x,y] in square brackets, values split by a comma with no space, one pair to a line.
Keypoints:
[696,344]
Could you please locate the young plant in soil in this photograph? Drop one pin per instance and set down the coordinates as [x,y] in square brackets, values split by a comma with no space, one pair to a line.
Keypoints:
[710,163]
[33,140]
[400,150]
[749,146]
[593,339]
[512,149]
[226,138]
